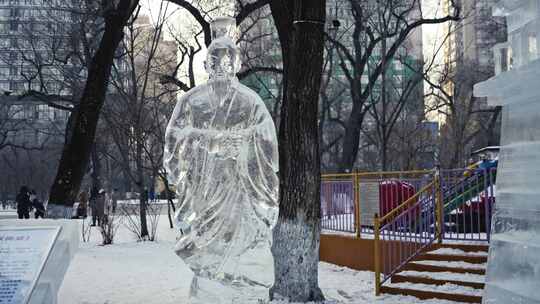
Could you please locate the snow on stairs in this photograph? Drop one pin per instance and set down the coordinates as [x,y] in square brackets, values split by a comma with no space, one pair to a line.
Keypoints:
[452,272]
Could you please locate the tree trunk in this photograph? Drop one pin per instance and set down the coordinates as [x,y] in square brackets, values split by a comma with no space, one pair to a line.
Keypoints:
[296,235]
[96,170]
[351,140]
[493,136]
[384,154]
[143,198]
[170,203]
[82,128]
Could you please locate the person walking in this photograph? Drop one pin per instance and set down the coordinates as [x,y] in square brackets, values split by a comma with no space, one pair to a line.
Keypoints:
[23,203]
[82,209]
[37,204]
[145,196]
[152,195]
[93,206]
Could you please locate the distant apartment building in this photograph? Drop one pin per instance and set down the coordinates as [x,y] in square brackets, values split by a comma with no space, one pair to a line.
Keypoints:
[33,35]
[471,40]
[469,59]
[35,48]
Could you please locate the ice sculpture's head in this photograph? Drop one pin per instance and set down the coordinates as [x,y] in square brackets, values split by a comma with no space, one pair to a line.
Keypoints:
[223,59]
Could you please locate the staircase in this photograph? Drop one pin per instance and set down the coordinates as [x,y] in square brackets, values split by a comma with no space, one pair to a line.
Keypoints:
[452,272]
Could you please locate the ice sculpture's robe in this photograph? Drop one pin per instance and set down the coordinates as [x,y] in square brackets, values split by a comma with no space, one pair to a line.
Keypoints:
[228,202]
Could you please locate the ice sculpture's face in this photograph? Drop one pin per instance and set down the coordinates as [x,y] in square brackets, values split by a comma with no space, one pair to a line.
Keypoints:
[222,63]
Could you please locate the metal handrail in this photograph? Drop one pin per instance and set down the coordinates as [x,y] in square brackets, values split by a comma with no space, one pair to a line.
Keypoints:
[380,173]
[398,224]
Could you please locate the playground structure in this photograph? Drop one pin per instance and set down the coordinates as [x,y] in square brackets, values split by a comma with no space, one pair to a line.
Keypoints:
[388,221]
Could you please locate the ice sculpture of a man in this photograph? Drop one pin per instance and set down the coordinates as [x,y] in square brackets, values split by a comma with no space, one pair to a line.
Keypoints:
[221,155]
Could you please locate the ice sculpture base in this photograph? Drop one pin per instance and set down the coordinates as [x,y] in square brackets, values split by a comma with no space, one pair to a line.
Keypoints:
[205,291]
[254,277]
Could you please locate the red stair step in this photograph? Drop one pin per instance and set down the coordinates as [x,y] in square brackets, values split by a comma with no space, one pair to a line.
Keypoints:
[397,278]
[452,257]
[435,268]
[463,247]
[422,294]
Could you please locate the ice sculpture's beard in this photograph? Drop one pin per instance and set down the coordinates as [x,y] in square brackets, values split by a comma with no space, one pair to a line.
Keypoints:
[220,88]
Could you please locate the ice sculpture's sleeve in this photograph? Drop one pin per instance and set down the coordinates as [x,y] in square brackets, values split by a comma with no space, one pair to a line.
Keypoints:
[260,163]
[181,143]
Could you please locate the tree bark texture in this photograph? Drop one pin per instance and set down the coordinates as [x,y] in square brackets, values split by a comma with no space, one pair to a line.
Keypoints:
[143,199]
[351,141]
[81,132]
[295,247]
[96,171]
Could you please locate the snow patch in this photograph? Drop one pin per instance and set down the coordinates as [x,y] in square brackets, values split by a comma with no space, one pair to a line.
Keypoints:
[130,272]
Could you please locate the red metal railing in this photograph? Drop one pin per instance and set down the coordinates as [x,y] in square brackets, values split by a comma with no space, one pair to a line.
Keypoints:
[469,199]
[406,231]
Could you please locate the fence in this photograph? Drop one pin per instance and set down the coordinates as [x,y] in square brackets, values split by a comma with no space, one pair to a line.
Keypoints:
[338,206]
[348,201]
[469,198]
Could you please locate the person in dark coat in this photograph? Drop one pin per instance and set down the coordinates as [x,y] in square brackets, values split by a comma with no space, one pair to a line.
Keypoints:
[37,204]
[83,205]
[145,196]
[151,194]
[93,206]
[23,203]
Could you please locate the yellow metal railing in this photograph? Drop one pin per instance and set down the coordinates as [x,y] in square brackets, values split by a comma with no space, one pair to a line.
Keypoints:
[377,254]
[386,174]
[432,189]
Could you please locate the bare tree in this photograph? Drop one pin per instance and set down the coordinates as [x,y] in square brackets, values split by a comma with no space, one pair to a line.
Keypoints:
[13,121]
[83,122]
[379,31]
[142,104]
[31,136]
[402,98]
[465,116]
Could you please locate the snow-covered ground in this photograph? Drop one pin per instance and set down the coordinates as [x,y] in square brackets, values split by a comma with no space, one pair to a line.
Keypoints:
[134,272]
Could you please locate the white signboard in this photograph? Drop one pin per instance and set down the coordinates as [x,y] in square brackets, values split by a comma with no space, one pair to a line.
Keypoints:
[23,253]
[369,202]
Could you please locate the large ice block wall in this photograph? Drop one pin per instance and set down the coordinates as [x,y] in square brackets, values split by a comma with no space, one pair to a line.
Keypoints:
[513,272]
